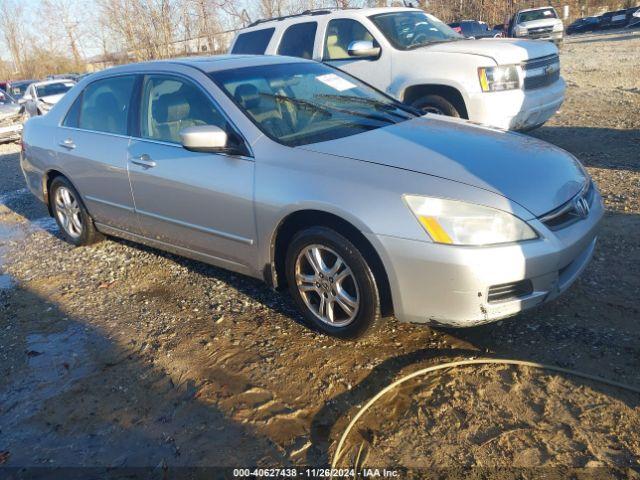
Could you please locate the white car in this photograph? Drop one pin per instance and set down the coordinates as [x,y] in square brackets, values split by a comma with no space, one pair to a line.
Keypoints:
[41,96]
[415,58]
[538,24]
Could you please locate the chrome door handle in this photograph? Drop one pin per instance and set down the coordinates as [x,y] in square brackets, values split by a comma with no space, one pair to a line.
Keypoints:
[144,161]
[68,143]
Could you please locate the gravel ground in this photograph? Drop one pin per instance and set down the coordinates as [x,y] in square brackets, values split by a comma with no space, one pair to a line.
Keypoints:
[119,355]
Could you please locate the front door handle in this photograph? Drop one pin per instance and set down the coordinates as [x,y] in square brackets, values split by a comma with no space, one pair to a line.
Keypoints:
[144,161]
[68,143]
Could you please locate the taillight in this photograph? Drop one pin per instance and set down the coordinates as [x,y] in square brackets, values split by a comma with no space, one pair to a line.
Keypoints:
[457,29]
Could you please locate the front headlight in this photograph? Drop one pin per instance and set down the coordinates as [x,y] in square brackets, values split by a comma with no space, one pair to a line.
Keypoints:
[495,79]
[460,223]
[558,27]
[521,31]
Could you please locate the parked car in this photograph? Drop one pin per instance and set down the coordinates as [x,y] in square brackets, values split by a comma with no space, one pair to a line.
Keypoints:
[12,116]
[41,96]
[634,20]
[419,60]
[587,24]
[18,88]
[474,29]
[298,174]
[537,24]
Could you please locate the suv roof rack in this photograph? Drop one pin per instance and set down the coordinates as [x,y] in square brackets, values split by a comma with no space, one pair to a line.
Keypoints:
[316,11]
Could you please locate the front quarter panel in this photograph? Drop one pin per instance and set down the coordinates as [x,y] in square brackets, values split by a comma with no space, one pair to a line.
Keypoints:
[367,195]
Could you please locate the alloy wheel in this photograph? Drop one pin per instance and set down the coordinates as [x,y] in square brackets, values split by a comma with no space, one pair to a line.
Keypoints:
[68,212]
[327,285]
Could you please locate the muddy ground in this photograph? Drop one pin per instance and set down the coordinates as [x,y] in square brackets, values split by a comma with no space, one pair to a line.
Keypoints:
[119,355]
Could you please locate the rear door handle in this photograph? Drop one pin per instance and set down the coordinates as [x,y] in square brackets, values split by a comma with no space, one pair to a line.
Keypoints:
[68,143]
[144,161]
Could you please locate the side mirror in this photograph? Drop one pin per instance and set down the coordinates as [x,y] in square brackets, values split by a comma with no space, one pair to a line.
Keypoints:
[363,48]
[209,139]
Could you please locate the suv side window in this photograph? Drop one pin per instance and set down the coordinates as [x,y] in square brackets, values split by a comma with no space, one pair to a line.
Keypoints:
[253,43]
[298,40]
[105,105]
[340,33]
[170,104]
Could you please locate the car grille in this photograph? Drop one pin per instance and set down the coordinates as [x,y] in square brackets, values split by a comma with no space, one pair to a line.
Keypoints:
[541,72]
[570,212]
[539,31]
[510,291]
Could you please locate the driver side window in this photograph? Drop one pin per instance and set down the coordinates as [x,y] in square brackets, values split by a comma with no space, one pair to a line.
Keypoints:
[171,104]
[340,33]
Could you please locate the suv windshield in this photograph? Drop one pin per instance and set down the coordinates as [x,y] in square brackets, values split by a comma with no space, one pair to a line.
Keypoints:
[54,89]
[407,30]
[541,14]
[301,103]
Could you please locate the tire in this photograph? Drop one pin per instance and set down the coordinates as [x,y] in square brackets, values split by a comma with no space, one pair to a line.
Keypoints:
[354,280]
[436,104]
[65,203]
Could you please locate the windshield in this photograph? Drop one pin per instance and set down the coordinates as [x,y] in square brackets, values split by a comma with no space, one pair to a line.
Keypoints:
[541,14]
[407,30]
[18,90]
[301,103]
[54,89]
[6,99]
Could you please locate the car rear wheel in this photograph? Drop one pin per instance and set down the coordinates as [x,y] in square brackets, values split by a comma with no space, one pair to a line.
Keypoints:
[436,104]
[332,283]
[71,215]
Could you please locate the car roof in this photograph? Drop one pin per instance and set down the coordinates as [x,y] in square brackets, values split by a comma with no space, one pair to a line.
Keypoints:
[314,14]
[210,63]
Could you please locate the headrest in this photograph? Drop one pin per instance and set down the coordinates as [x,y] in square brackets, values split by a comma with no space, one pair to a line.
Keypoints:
[332,39]
[107,103]
[247,96]
[171,107]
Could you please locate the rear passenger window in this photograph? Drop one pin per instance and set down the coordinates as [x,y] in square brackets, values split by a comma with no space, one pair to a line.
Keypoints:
[298,40]
[73,115]
[253,43]
[105,105]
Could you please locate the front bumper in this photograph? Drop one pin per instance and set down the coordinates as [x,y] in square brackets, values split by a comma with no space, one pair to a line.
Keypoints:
[449,285]
[555,37]
[10,133]
[517,109]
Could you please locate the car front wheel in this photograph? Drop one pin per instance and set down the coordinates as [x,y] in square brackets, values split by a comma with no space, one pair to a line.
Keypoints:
[332,283]
[436,104]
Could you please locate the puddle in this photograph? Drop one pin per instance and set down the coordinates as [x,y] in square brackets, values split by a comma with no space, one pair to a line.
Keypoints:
[53,365]
[12,233]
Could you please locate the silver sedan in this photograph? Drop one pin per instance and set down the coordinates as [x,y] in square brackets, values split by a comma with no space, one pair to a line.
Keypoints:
[298,174]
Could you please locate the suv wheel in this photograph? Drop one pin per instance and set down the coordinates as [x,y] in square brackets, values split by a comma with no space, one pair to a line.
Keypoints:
[71,215]
[332,284]
[436,104]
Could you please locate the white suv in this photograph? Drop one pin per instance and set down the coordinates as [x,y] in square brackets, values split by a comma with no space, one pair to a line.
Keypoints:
[416,58]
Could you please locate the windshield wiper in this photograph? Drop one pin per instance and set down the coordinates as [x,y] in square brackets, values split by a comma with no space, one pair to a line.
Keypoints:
[296,101]
[431,42]
[386,107]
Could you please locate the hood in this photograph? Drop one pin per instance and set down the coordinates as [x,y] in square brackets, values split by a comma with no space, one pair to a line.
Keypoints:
[51,99]
[543,22]
[503,50]
[9,110]
[530,172]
